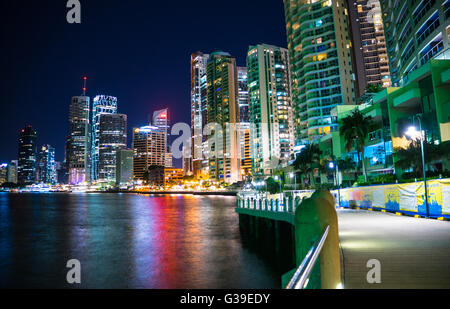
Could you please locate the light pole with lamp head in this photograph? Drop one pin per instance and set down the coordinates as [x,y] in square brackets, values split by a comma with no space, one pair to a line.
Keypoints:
[334,166]
[278,178]
[412,132]
[293,175]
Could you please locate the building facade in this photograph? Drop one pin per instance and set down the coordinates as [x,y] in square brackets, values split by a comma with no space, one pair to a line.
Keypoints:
[243,94]
[101,105]
[199,63]
[149,147]
[112,137]
[371,63]
[3,173]
[223,112]
[416,31]
[12,172]
[321,69]
[46,165]
[78,143]
[27,159]
[160,176]
[124,167]
[426,94]
[270,107]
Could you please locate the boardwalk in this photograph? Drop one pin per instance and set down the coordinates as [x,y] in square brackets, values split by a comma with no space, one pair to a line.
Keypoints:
[414,252]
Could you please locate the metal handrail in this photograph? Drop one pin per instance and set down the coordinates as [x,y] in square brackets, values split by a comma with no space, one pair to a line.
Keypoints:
[301,277]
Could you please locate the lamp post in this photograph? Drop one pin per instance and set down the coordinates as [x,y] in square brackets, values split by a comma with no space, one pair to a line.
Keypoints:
[334,166]
[293,175]
[412,132]
[278,178]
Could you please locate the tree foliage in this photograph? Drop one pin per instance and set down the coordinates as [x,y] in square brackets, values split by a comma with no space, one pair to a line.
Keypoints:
[355,129]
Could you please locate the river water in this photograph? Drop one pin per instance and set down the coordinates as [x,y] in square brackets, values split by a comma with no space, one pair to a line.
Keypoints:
[127,241]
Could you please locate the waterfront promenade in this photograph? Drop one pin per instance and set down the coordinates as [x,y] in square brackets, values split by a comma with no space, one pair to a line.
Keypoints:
[413,252]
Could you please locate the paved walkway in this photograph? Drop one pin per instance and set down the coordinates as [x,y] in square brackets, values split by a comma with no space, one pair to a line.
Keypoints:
[413,252]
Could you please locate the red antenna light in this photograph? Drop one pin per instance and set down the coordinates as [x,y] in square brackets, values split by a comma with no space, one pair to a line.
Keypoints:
[84,85]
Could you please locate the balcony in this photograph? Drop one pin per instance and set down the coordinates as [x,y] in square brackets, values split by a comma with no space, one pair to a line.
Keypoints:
[408,99]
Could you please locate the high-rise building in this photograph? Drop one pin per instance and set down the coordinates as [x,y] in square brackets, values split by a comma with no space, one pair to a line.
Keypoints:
[46,165]
[161,120]
[187,161]
[321,69]
[243,94]
[168,159]
[102,104]
[370,59]
[12,172]
[416,31]
[149,146]
[112,137]
[223,110]
[199,98]
[78,145]
[246,158]
[124,166]
[271,111]
[26,169]
[244,125]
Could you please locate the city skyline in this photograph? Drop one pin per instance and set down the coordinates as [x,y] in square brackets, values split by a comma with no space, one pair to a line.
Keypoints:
[141,83]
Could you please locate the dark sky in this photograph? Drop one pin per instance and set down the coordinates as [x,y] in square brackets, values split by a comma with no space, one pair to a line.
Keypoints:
[136,50]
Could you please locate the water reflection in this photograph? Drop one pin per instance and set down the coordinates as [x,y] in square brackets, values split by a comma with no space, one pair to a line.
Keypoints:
[126,241]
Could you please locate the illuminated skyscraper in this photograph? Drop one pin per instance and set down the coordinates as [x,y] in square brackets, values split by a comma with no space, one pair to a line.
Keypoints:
[416,31]
[78,145]
[369,44]
[112,137]
[223,110]
[26,171]
[46,165]
[149,147]
[321,69]
[199,98]
[102,105]
[161,119]
[244,125]
[243,94]
[270,101]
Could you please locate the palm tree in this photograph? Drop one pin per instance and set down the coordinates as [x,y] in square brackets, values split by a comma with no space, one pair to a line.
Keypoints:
[308,160]
[355,129]
[371,88]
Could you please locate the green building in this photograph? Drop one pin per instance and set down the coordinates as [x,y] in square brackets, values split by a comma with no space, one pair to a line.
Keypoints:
[223,111]
[416,31]
[270,108]
[427,93]
[378,152]
[321,68]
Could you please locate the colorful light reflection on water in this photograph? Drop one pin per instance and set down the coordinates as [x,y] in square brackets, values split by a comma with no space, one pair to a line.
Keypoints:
[126,241]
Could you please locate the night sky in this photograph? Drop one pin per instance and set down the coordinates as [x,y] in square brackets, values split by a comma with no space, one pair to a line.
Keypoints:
[136,50]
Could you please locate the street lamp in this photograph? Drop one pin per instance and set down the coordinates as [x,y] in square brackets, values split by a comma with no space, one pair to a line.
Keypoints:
[413,133]
[334,166]
[293,175]
[278,178]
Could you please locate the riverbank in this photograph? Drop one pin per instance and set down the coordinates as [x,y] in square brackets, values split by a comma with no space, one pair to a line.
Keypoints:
[222,193]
